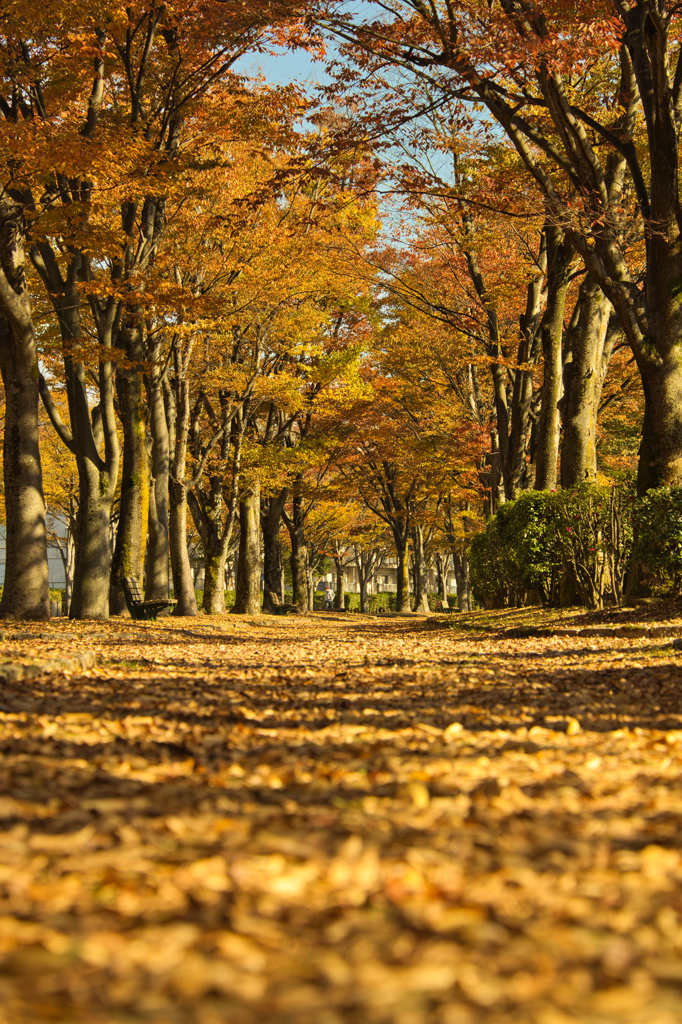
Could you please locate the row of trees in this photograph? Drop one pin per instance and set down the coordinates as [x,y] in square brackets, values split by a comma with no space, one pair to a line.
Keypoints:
[241,301]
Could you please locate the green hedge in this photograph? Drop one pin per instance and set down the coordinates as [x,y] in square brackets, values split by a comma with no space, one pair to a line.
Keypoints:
[658,549]
[581,539]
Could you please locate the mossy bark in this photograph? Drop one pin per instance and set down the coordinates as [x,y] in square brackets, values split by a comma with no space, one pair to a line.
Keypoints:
[214,581]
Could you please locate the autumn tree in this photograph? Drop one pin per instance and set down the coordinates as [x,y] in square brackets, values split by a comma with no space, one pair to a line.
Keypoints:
[590,98]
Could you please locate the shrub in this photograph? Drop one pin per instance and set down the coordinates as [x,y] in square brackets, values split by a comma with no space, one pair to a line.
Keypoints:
[658,527]
[531,560]
[533,541]
[487,571]
[381,603]
[595,536]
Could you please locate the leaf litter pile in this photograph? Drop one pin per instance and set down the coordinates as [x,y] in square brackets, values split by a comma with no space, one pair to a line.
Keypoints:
[339,819]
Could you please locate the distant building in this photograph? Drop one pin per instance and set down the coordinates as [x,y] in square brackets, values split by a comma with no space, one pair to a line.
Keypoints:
[54,559]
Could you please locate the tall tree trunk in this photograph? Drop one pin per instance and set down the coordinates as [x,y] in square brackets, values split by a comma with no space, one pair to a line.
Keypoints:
[183,577]
[247,586]
[295,524]
[340,595]
[157,585]
[660,452]
[582,386]
[442,565]
[271,517]
[546,454]
[176,395]
[131,538]
[421,598]
[461,566]
[91,436]
[215,554]
[310,577]
[366,563]
[362,581]
[299,567]
[402,601]
[26,592]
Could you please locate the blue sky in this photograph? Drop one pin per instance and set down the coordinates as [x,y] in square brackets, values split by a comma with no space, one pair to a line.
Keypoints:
[285,67]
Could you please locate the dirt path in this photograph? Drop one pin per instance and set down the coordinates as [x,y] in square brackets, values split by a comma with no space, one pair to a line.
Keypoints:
[339,820]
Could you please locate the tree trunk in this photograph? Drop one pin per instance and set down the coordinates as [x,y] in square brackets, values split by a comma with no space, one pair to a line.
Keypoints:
[247,586]
[90,597]
[421,599]
[26,592]
[295,524]
[442,564]
[340,595]
[177,407]
[183,578]
[299,565]
[362,581]
[402,601]
[271,517]
[660,452]
[157,584]
[461,566]
[131,538]
[214,579]
[310,579]
[582,386]
[546,455]
[91,435]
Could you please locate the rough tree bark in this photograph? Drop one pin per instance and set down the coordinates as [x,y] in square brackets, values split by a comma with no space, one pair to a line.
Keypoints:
[421,598]
[26,591]
[295,524]
[247,585]
[177,405]
[131,537]
[272,506]
[157,582]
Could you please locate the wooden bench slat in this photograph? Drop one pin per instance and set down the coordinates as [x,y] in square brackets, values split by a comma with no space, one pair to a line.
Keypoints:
[139,608]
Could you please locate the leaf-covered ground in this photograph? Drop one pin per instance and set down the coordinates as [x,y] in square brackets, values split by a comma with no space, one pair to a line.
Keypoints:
[339,820]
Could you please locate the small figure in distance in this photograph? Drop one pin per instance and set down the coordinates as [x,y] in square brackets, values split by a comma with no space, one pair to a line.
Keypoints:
[328,598]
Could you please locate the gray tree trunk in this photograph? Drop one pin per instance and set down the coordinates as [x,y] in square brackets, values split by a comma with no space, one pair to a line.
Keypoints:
[131,537]
[157,583]
[442,564]
[26,591]
[546,454]
[271,517]
[176,394]
[583,379]
[340,595]
[295,524]
[421,598]
[247,586]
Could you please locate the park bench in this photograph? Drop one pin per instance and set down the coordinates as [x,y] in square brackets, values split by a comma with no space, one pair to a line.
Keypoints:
[444,611]
[137,606]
